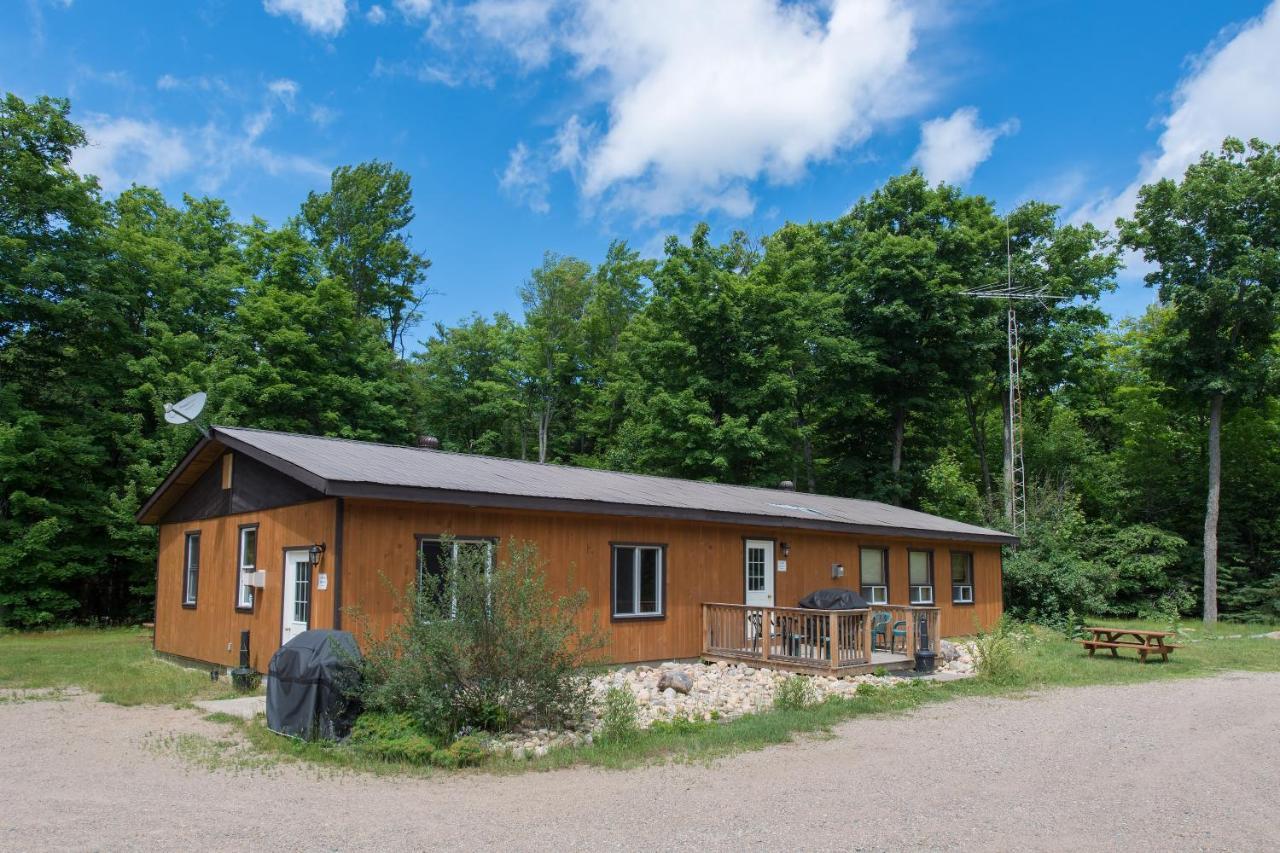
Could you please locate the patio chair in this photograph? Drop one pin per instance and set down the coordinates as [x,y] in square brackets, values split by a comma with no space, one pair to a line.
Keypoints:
[899,632]
[879,631]
[755,620]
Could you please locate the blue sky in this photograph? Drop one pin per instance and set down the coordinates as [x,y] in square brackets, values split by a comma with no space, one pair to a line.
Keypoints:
[560,125]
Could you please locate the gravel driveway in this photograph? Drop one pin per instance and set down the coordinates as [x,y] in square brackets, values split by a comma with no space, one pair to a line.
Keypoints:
[1188,764]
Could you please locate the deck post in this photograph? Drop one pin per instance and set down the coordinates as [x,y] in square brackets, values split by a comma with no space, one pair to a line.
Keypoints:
[766,632]
[706,636]
[866,635]
[912,614]
[833,646]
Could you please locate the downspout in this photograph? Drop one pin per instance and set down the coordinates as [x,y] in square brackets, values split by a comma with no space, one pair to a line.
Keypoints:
[338,519]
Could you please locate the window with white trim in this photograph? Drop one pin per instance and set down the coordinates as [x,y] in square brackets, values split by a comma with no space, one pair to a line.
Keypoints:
[639,574]
[961,577]
[191,569]
[920,568]
[874,568]
[435,556]
[248,564]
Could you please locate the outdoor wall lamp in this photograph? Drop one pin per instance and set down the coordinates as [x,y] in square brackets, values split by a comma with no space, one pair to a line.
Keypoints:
[837,570]
[316,552]
[786,549]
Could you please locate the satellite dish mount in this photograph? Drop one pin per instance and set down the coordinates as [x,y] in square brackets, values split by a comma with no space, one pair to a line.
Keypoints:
[187,411]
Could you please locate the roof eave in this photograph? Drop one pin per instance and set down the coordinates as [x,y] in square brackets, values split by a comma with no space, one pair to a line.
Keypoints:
[417,494]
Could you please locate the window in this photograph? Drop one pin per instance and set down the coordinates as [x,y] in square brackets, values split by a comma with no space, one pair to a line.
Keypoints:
[961,577]
[191,570]
[875,578]
[247,565]
[434,556]
[755,569]
[302,592]
[638,578]
[920,567]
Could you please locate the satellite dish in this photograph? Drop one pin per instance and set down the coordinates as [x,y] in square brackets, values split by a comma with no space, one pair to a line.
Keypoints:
[186,411]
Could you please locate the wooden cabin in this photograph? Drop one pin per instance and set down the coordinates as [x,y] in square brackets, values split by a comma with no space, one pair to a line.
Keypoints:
[276,533]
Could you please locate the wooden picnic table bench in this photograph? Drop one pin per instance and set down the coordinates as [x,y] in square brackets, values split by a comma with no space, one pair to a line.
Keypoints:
[1143,642]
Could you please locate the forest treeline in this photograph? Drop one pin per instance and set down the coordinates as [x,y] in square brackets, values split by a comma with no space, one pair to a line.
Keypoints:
[842,355]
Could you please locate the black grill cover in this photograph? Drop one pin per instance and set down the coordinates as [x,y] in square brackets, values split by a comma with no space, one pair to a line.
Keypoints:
[310,683]
[834,598]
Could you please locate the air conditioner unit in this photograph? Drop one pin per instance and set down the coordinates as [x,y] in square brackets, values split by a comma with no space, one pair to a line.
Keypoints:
[258,579]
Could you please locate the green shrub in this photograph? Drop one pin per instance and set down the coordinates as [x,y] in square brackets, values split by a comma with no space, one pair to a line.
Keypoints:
[794,694]
[486,648]
[618,717]
[999,654]
[392,737]
[679,725]
[467,751]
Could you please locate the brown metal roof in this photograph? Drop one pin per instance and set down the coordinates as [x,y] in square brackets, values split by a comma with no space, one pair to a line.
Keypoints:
[364,469]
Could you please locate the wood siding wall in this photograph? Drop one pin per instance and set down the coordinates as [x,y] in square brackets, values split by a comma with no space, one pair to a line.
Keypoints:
[704,564]
[211,630]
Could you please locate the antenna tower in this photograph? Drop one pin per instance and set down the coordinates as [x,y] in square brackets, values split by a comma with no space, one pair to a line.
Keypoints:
[1015,472]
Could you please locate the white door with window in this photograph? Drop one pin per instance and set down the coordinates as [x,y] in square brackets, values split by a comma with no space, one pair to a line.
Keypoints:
[759,573]
[297,594]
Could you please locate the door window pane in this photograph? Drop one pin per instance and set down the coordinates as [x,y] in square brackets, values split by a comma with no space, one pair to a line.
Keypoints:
[302,592]
[755,569]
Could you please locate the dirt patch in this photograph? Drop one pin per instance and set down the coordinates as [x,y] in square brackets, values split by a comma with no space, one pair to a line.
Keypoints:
[1047,773]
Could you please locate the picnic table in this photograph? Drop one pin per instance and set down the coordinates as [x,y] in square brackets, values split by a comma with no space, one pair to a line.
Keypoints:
[1143,642]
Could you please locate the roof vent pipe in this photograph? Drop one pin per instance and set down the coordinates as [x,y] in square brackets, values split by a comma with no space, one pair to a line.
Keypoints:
[787,486]
[428,442]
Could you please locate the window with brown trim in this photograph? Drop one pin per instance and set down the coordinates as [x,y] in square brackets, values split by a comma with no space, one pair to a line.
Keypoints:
[961,577]
[247,565]
[873,566]
[920,571]
[191,570]
[639,581]
[435,555]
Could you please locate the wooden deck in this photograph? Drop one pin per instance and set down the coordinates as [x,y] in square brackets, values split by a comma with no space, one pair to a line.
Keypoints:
[799,640]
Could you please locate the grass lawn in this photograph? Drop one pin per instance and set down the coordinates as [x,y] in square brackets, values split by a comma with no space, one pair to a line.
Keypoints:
[116,663]
[119,665]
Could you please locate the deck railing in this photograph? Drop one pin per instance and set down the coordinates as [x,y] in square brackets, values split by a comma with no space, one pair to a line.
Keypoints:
[794,637]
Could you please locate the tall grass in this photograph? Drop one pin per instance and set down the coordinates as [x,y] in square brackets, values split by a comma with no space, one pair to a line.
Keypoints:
[116,663]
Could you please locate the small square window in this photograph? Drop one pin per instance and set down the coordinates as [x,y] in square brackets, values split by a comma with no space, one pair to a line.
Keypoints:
[920,567]
[874,570]
[961,577]
[639,576]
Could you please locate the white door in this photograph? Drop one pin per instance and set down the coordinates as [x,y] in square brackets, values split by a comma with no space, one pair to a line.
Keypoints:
[297,594]
[759,572]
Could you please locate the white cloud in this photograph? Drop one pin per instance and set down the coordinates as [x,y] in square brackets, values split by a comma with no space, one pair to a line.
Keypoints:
[322,17]
[951,148]
[703,98]
[1233,89]
[284,89]
[123,151]
[414,10]
[525,180]
[322,116]
[376,14]
[522,26]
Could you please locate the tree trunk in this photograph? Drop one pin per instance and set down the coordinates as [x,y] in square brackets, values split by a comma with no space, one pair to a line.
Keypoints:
[1211,511]
[979,445]
[899,431]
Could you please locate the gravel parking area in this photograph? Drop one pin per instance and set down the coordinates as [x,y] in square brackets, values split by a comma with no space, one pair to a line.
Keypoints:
[1170,765]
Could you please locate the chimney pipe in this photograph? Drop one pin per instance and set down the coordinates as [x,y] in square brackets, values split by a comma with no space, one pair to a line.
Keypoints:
[787,486]
[428,442]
